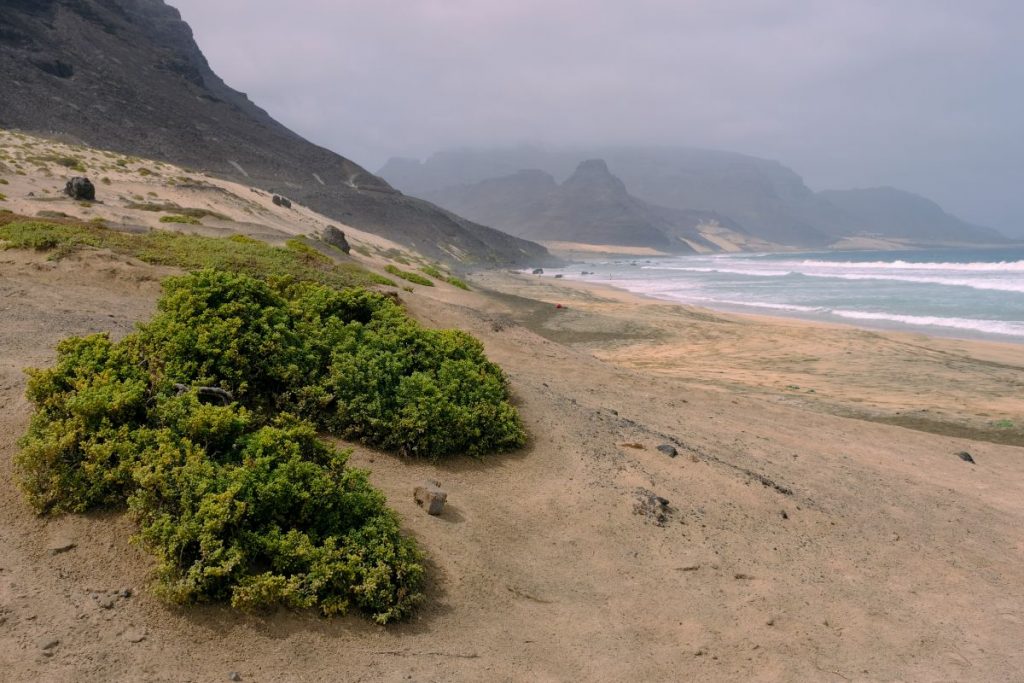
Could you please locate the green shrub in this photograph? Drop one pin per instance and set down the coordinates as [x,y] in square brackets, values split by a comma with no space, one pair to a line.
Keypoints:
[174,218]
[4,181]
[432,272]
[175,209]
[351,361]
[414,278]
[456,282]
[242,502]
[276,517]
[3,197]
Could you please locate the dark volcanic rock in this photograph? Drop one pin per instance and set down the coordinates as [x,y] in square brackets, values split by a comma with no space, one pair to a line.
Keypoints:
[282,201]
[336,238]
[668,449]
[128,76]
[966,457]
[81,189]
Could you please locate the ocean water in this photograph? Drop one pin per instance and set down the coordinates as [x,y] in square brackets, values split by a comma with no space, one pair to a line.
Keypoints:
[952,292]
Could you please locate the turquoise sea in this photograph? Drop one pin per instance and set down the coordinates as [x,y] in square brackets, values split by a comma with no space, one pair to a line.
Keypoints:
[952,292]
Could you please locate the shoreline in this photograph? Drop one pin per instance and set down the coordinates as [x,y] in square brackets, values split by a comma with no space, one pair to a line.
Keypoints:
[954,324]
[781,317]
[944,385]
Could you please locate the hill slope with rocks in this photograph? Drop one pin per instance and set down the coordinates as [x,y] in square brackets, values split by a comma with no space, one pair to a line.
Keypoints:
[770,201]
[127,75]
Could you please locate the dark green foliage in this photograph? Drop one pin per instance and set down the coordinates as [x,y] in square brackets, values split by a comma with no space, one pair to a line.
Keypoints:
[414,278]
[243,503]
[272,517]
[351,361]
[432,272]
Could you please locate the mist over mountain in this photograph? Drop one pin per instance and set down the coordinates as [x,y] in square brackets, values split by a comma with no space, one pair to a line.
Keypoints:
[765,198]
[126,75]
[895,213]
[591,206]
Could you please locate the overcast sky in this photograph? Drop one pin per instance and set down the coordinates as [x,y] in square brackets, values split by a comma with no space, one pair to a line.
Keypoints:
[925,95]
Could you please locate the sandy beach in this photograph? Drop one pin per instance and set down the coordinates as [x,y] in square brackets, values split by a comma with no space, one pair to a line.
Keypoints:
[803,539]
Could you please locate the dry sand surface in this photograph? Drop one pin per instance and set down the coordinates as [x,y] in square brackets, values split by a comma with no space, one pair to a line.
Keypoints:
[796,544]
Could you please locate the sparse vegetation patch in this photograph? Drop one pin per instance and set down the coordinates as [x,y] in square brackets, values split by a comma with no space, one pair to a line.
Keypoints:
[175,218]
[414,278]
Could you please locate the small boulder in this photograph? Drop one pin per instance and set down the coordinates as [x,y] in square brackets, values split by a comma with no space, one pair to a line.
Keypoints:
[559,276]
[538,271]
[668,449]
[281,201]
[431,496]
[965,456]
[336,238]
[81,189]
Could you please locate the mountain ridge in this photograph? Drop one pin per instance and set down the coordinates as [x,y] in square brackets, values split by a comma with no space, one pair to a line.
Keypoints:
[592,206]
[767,199]
[127,75]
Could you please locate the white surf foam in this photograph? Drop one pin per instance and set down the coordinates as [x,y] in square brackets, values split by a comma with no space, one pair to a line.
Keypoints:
[1013,328]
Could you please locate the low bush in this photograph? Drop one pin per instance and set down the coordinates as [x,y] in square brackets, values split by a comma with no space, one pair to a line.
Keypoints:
[456,282]
[176,218]
[242,502]
[432,272]
[414,278]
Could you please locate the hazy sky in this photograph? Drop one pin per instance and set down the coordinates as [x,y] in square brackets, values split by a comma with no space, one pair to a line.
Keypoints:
[926,95]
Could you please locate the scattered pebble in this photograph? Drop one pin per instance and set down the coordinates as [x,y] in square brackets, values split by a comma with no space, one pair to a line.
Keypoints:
[48,642]
[60,545]
[135,635]
[234,676]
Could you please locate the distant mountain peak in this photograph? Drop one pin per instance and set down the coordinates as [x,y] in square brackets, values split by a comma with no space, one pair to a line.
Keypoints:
[595,176]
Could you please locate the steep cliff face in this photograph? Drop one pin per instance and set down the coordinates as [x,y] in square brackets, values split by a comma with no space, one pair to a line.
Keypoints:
[127,75]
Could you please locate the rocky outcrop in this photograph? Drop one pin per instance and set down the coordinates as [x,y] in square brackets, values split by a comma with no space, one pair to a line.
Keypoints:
[336,238]
[81,189]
